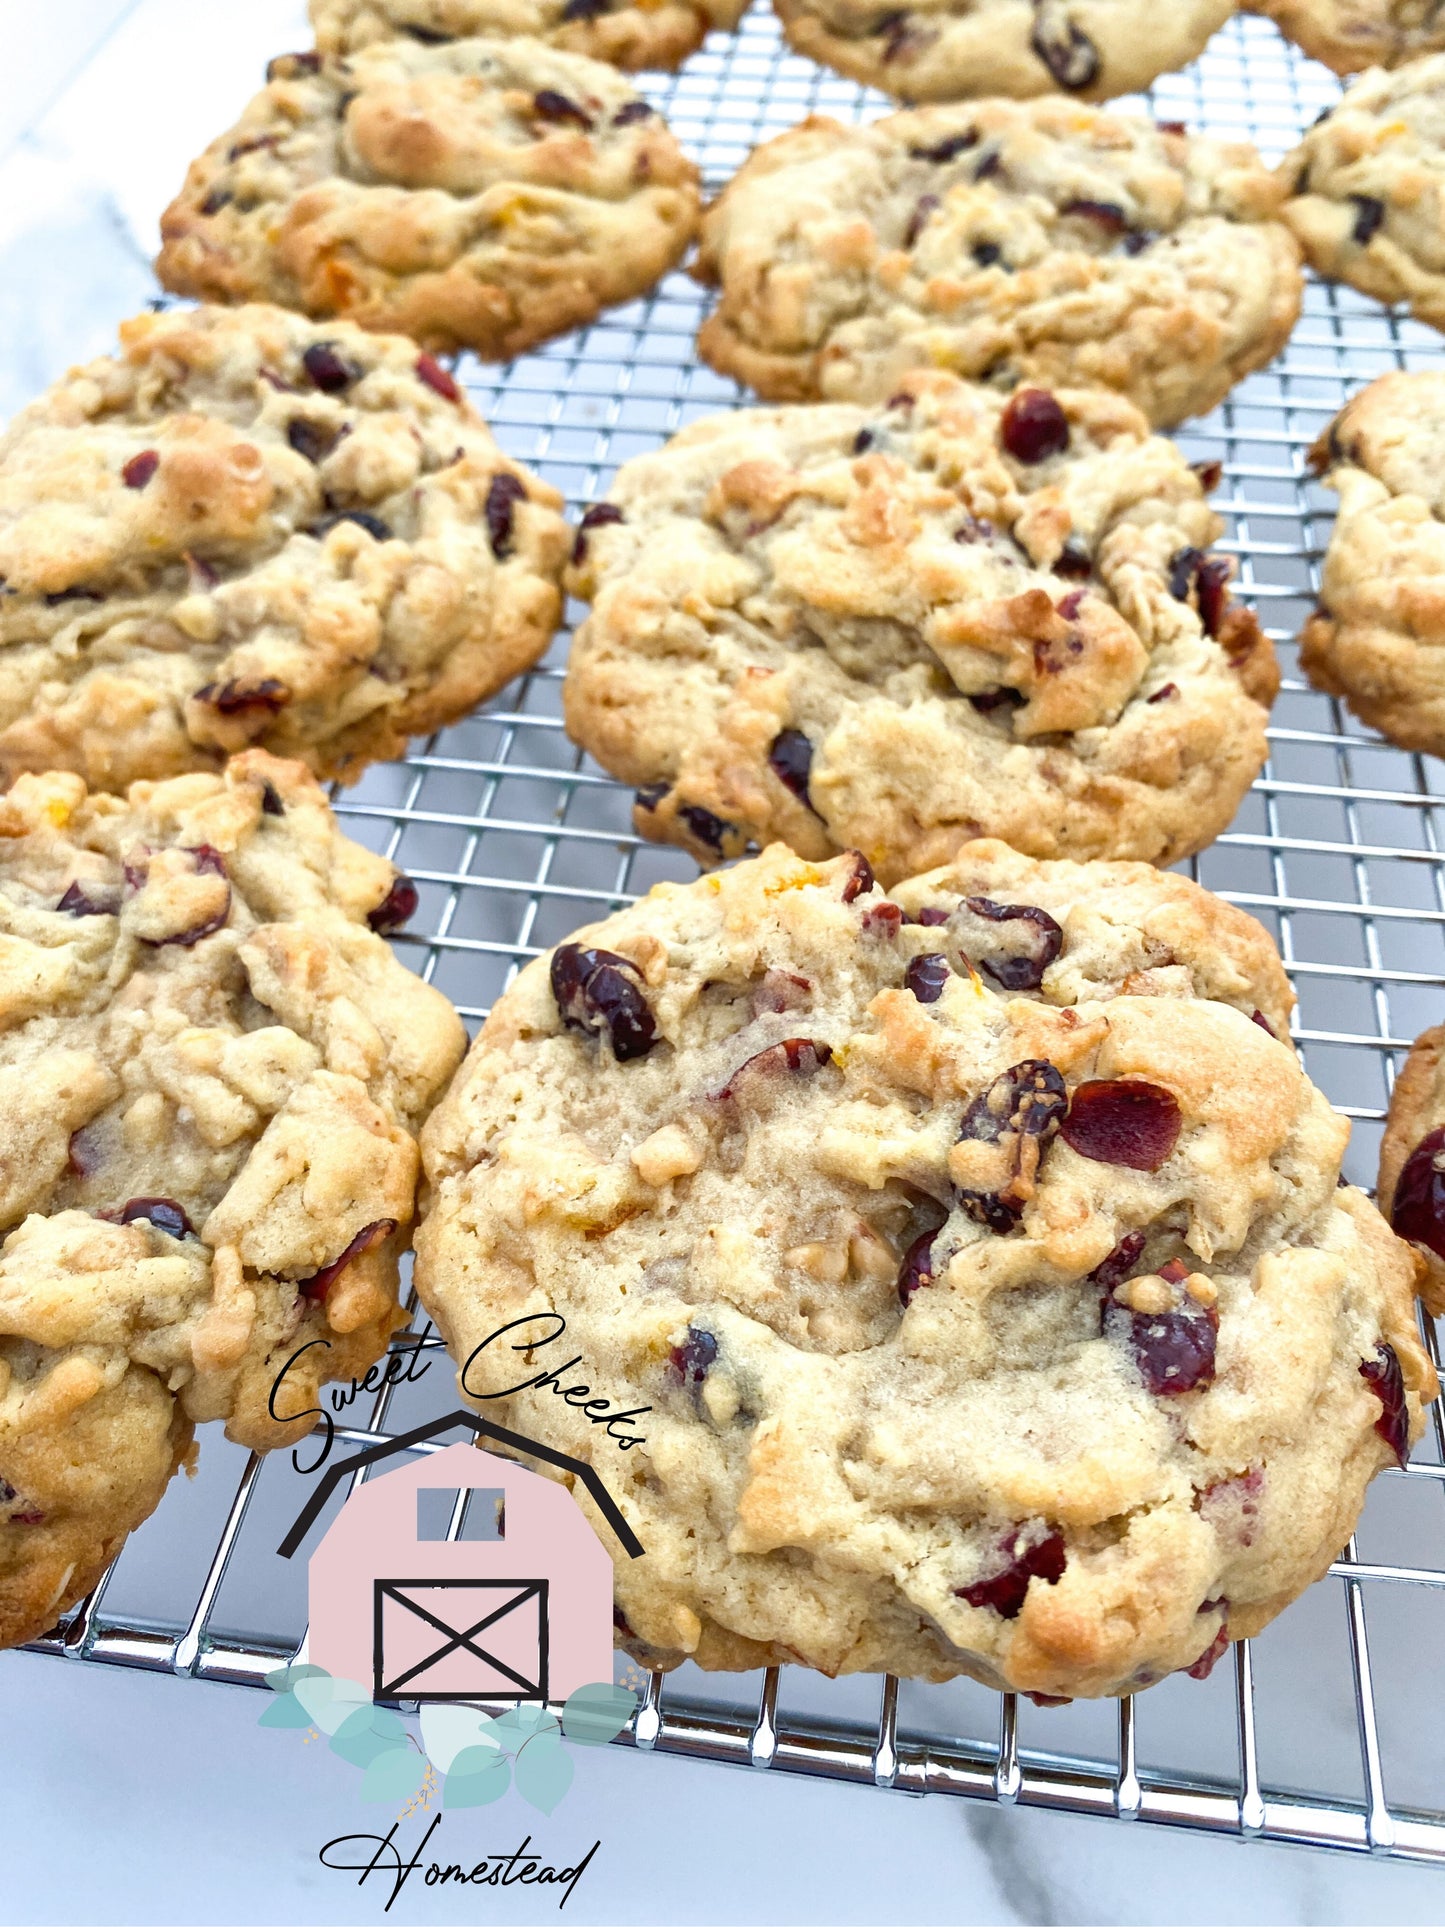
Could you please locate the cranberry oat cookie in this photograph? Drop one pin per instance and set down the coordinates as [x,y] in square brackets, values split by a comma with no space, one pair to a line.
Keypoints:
[212,1069]
[1350,35]
[245,528]
[894,629]
[960,49]
[1368,187]
[975,1258]
[1039,241]
[632,34]
[1412,1161]
[1378,636]
[484,194]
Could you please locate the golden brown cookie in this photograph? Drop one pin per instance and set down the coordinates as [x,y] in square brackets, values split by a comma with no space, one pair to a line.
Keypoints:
[212,1070]
[631,34]
[970,1260]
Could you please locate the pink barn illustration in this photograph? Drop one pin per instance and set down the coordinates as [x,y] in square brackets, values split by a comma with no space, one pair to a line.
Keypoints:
[526,1615]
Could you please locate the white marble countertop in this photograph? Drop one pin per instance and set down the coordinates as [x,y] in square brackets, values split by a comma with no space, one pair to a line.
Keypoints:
[138,1799]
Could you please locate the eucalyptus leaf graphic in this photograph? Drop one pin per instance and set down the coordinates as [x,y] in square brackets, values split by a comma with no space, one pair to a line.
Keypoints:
[331,1702]
[286,1678]
[596,1714]
[478,1775]
[544,1772]
[447,1730]
[521,1722]
[366,1733]
[394,1776]
[285,1710]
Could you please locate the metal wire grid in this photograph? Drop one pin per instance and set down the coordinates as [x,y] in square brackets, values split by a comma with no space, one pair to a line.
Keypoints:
[1320,1736]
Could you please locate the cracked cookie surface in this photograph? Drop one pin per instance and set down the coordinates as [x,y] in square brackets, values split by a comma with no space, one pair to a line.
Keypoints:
[632,37]
[895,629]
[961,49]
[212,1070]
[1377,638]
[1350,35]
[483,194]
[1368,189]
[1015,241]
[247,529]
[973,1256]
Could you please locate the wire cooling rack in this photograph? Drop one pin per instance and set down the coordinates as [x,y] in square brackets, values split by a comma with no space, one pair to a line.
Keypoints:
[1323,1731]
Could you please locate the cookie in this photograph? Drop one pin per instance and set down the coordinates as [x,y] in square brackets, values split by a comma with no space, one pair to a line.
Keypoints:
[1038,241]
[1350,35]
[630,36]
[1377,638]
[970,1261]
[895,629]
[244,528]
[483,194]
[1368,189]
[960,49]
[212,1070]
[1411,1186]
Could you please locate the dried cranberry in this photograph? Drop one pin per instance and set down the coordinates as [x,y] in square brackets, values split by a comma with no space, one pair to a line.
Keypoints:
[550,105]
[1004,1593]
[329,371]
[793,1057]
[926,977]
[706,827]
[236,697]
[917,1267]
[164,1213]
[633,111]
[596,517]
[790,757]
[692,1360]
[1214,575]
[1120,1261]
[1043,937]
[1369,213]
[882,920]
[620,1624]
[1174,1350]
[1212,1654]
[1172,127]
[596,991]
[1385,1379]
[650,796]
[1164,694]
[505,492]
[930,916]
[1033,426]
[1022,1103]
[1104,214]
[948,149]
[1258,1017]
[140,468]
[1068,608]
[397,907]
[988,165]
[1068,53]
[82,1153]
[861,879]
[378,530]
[974,528]
[780,990]
[440,380]
[926,205]
[271,803]
[78,902]
[1073,560]
[1418,1212]
[314,440]
[1123,1121]
[218,198]
[1210,475]
[1183,567]
[320,1282]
